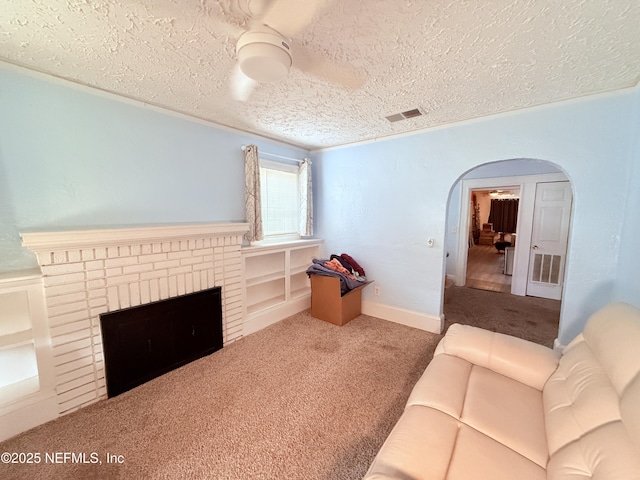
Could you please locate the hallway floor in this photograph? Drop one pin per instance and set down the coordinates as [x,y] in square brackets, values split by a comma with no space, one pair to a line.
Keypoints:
[484,269]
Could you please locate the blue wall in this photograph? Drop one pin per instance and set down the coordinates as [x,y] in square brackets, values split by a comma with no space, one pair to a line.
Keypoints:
[383,200]
[628,282]
[70,157]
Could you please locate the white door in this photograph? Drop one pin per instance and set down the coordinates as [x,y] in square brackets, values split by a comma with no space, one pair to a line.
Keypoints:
[551,217]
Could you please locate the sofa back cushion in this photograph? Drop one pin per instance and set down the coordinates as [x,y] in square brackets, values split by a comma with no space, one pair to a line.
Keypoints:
[592,401]
[614,337]
[613,333]
[578,397]
[605,453]
[630,411]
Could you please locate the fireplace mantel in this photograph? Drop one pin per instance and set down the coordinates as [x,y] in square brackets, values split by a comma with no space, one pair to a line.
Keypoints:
[90,271]
[81,237]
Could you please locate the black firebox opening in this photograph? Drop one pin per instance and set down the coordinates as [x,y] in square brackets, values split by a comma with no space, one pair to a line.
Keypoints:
[144,342]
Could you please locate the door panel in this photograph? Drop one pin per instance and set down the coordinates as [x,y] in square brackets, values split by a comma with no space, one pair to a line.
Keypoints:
[551,218]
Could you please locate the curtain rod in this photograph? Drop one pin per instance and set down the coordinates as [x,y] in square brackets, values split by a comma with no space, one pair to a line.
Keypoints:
[261,152]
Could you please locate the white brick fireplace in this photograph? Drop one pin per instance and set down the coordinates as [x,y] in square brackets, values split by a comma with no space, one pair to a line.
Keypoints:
[90,272]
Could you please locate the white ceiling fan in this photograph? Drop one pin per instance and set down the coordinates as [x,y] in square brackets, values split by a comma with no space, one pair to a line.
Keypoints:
[267,50]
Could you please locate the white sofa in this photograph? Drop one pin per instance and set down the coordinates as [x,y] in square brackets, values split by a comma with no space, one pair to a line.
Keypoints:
[492,407]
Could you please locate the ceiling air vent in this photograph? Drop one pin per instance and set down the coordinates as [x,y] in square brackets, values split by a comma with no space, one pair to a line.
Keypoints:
[412,113]
[396,117]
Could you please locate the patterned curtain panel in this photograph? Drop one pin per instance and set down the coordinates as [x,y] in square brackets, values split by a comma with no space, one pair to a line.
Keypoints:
[252,194]
[306,199]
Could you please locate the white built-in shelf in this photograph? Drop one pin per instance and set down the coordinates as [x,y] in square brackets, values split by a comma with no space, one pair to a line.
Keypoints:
[25,359]
[275,278]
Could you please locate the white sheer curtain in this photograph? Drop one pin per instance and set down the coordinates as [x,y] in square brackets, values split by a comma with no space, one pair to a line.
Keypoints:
[305,227]
[252,193]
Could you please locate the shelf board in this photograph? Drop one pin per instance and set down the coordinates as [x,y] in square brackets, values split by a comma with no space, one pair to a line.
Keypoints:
[17,339]
[300,292]
[20,389]
[271,302]
[299,269]
[269,277]
[292,245]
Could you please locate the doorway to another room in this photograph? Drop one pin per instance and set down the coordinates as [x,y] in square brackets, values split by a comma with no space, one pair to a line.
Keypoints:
[478,287]
[492,235]
[530,256]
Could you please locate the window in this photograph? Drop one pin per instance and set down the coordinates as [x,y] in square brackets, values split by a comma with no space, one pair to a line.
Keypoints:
[280,199]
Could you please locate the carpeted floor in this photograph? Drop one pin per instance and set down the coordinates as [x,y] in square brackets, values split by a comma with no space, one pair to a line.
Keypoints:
[302,399]
[531,318]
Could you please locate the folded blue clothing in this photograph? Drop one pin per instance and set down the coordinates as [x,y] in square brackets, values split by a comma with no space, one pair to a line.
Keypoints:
[346,284]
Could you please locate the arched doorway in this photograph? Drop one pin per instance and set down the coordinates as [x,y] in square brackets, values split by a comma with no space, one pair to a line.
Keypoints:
[521,175]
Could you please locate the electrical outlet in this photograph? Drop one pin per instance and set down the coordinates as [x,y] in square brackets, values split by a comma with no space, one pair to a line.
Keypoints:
[376,291]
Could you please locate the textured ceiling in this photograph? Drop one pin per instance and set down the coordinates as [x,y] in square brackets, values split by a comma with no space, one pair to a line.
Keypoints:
[454,59]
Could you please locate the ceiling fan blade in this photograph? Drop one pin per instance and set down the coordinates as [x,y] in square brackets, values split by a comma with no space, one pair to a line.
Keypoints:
[241,85]
[318,65]
[288,17]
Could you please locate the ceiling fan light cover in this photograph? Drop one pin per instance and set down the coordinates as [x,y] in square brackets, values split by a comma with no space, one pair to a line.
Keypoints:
[264,57]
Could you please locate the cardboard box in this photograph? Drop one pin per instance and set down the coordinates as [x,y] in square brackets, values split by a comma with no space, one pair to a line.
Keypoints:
[327,304]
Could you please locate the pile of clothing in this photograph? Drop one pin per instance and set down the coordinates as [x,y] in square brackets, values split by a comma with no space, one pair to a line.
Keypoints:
[344,267]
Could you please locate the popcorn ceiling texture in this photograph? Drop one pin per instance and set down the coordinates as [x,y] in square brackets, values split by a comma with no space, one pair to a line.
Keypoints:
[455,59]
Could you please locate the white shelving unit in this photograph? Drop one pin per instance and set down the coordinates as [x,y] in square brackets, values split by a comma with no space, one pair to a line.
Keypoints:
[27,387]
[275,281]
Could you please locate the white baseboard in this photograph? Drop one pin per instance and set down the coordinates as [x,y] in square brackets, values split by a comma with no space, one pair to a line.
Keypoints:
[557,346]
[260,320]
[27,414]
[404,317]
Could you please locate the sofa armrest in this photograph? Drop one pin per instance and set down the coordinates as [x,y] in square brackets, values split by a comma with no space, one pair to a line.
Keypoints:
[521,360]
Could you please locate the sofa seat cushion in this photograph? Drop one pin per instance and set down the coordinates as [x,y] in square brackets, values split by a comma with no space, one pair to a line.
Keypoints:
[443,385]
[429,444]
[497,406]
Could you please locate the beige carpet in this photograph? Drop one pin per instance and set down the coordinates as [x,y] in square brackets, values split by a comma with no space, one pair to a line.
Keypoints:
[302,399]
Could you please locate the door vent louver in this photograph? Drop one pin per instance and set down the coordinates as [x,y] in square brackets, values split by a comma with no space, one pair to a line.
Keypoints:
[546,268]
[396,117]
